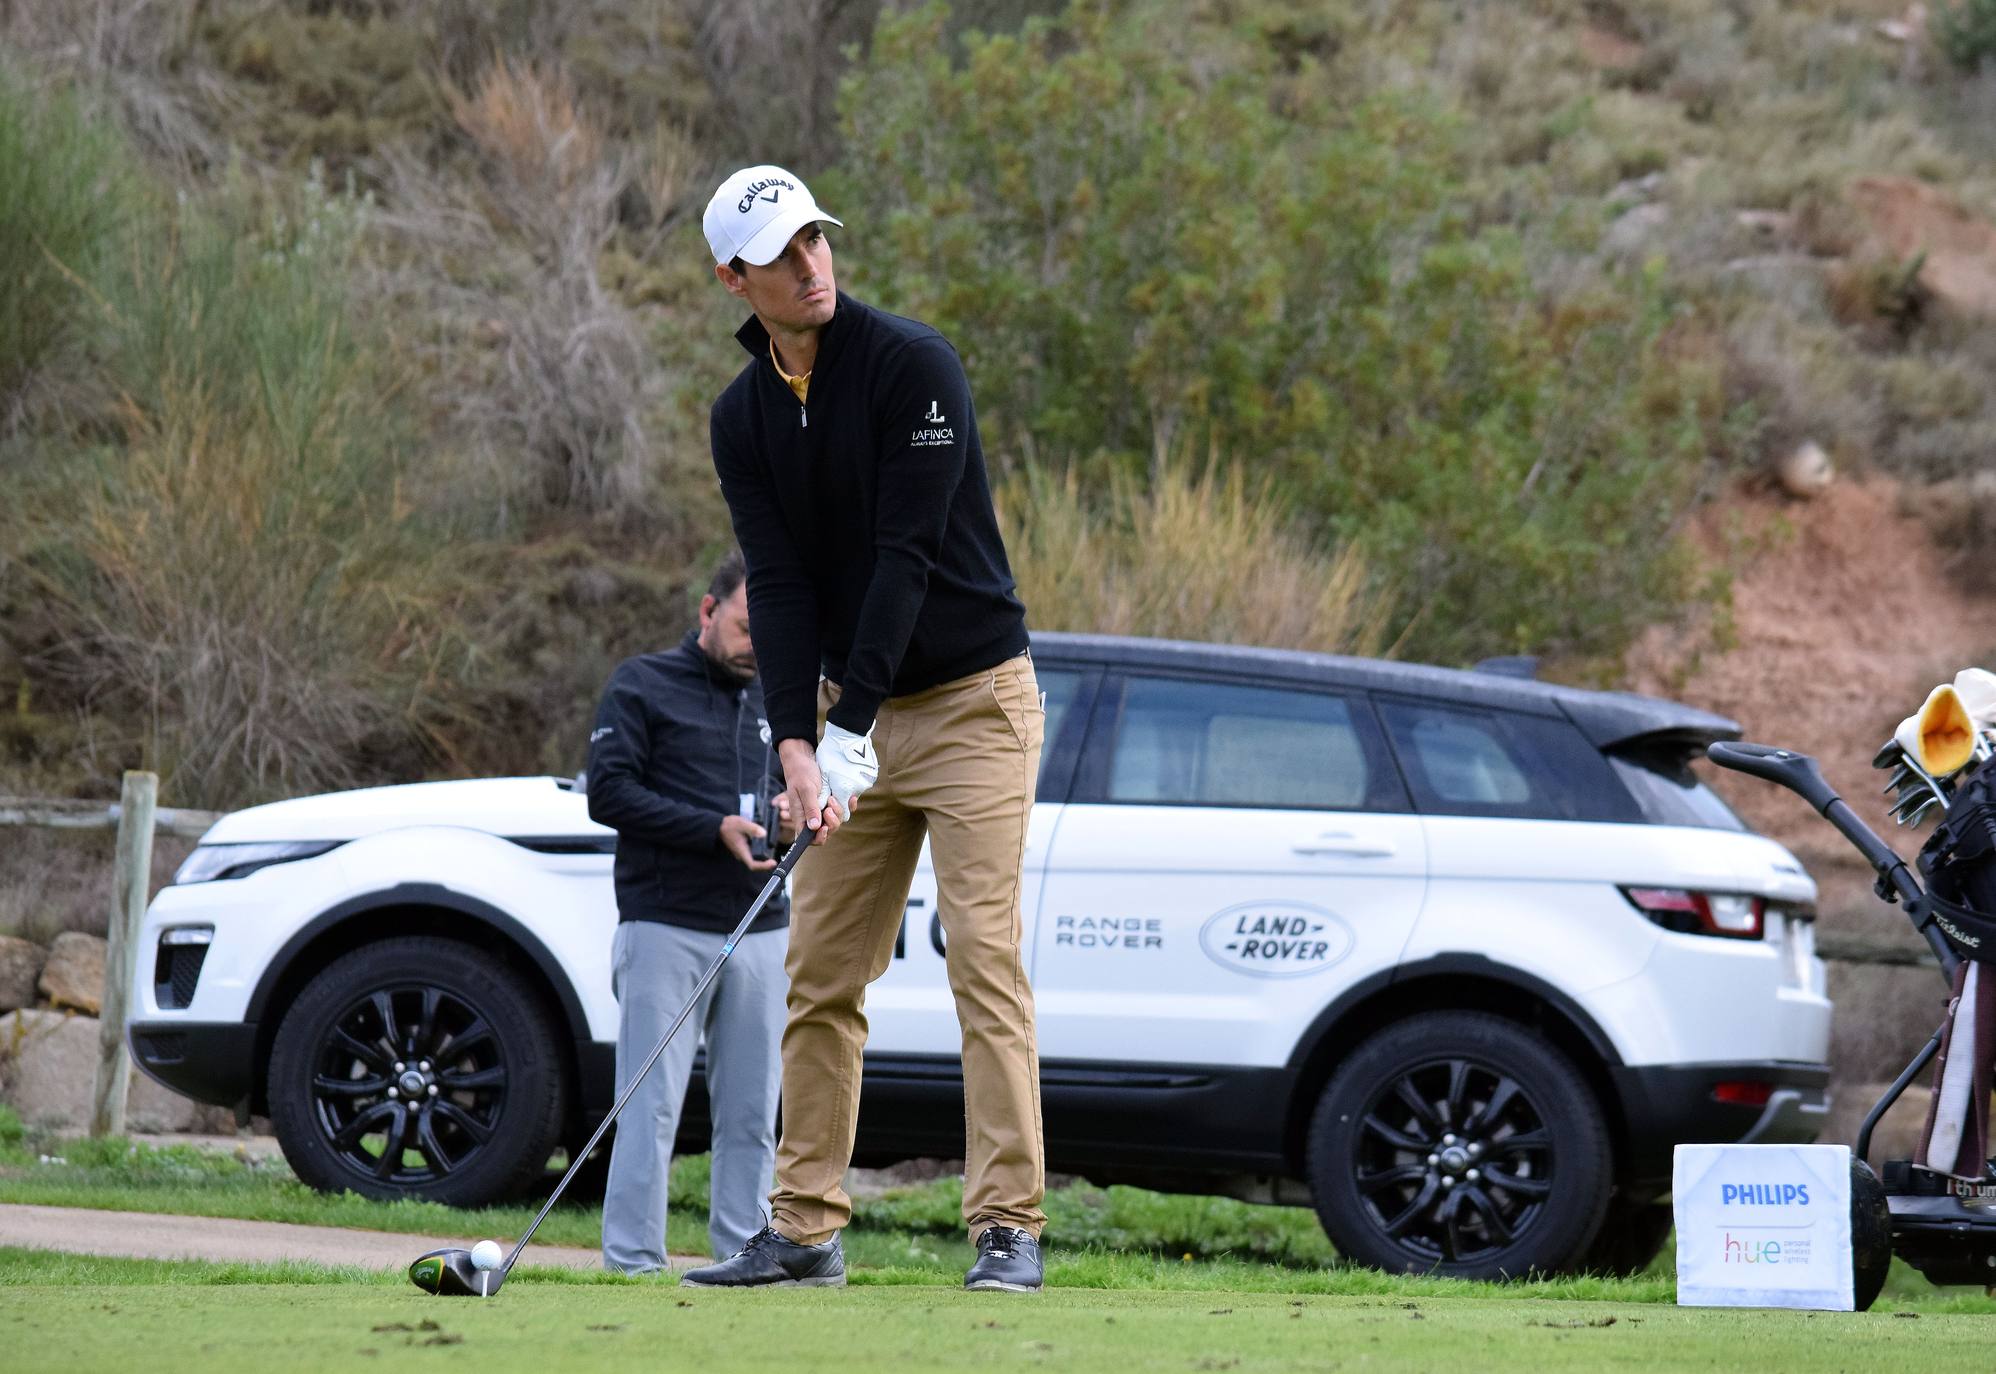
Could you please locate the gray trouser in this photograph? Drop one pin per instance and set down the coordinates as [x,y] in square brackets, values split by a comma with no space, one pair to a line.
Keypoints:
[654,968]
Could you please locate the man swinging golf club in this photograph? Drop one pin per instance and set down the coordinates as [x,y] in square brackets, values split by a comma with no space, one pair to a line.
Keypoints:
[849,457]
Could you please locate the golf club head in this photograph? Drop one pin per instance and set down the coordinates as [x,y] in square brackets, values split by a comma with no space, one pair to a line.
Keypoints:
[450,1273]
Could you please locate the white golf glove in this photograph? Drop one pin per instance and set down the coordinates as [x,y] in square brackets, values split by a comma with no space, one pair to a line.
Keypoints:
[847,765]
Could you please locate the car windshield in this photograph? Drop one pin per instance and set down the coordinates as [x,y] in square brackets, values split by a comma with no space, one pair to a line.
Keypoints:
[1669,793]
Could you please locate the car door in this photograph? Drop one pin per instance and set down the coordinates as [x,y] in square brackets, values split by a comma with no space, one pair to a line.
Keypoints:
[1234,854]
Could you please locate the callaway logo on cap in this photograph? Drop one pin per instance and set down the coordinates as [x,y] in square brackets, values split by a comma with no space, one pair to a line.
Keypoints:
[756,211]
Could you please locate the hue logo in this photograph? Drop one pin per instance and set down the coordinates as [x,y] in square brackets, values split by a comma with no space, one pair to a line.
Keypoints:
[1749,1251]
[1764,1195]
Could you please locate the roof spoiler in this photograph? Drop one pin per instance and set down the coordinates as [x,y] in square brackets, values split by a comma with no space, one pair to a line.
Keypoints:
[1510,665]
[1622,721]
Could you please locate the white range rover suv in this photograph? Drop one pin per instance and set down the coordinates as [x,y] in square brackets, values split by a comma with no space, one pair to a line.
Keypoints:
[1454,956]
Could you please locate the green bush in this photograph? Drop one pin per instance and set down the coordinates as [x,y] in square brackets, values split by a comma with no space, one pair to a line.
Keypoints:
[1144,260]
[59,197]
[225,560]
[1966,32]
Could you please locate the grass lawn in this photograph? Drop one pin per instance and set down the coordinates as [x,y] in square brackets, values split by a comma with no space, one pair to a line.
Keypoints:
[1108,1240]
[919,1227]
[212,1319]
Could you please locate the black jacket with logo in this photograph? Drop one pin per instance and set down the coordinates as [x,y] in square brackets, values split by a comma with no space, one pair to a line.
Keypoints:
[866,519]
[676,744]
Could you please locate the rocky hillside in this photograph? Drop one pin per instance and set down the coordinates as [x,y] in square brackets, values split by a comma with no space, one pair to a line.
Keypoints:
[1844,613]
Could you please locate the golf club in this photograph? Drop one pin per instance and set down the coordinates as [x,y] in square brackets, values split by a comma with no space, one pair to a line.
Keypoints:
[451,1272]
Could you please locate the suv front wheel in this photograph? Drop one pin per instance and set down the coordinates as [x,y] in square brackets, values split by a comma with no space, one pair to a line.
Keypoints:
[1462,1144]
[417,1067]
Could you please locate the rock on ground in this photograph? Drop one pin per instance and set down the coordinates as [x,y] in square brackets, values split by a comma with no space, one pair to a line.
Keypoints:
[20,965]
[74,974]
[48,1069]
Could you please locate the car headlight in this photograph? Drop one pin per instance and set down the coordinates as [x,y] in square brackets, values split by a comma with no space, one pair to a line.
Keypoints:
[213,862]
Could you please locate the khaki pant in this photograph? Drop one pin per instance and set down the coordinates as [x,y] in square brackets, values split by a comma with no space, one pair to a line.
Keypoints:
[959,763]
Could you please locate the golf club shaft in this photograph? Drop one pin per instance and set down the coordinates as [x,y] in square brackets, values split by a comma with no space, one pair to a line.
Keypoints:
[769,889]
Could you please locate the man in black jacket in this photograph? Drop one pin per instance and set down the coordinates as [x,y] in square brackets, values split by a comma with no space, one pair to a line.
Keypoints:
[882,603]
[682,767]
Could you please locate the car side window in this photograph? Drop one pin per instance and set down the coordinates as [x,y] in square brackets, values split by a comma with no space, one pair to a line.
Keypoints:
[1466,763]
[1062,688]
[1183,742]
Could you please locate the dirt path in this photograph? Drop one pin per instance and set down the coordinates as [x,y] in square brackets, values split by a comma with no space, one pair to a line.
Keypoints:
[147,1235]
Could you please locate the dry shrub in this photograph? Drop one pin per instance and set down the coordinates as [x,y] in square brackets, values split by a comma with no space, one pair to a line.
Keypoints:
[52,881]
[465,33]
[1803,382]
[544,370]
[542,151]
[134,54]
[1206,559]
[235,580]
[1882,298]
[774,66]
[1960,513]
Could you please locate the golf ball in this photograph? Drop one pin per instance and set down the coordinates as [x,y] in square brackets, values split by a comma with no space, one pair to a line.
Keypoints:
[486,1254]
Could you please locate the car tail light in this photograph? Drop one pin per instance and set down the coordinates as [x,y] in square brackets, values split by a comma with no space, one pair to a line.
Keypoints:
[1743,1093]
[1731,915]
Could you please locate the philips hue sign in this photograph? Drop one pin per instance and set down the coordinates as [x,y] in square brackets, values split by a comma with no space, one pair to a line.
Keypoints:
[1763,1226]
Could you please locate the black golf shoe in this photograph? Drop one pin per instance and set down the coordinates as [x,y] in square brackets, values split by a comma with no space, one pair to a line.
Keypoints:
[1006,1259]
[772,1260]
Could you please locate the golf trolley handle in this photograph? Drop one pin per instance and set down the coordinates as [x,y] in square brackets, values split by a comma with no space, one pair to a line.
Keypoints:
[769,889]
[1801,775]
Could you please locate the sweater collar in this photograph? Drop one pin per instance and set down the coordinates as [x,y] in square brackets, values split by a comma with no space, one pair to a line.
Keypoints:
[845,318]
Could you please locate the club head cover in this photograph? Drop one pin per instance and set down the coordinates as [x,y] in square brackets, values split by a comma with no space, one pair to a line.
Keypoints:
[1940,736]
[1977,689]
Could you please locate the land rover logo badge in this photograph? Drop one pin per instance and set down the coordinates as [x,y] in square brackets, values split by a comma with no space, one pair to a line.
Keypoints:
[1276,939]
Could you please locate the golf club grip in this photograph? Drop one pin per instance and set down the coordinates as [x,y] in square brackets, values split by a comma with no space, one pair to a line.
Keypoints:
[770,888]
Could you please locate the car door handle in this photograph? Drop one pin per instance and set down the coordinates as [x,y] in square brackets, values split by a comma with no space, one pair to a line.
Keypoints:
[1346,844]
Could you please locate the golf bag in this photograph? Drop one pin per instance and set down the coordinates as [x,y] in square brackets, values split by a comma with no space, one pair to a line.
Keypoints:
[1959,864]
[1937,1210]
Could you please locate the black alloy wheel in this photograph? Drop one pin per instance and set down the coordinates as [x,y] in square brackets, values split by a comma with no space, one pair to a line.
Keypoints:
[410,1084]
[1461,1144]
[1454,1161]
[418,1067]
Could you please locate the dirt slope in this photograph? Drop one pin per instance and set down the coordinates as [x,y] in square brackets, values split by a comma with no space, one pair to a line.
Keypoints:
[1845,615]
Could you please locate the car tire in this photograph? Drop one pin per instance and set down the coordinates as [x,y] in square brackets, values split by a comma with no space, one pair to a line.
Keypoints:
[431,1022]
[1462,1144]
[1631,1235]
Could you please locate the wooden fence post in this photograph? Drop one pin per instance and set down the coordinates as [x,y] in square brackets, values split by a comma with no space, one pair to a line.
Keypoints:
[131,881]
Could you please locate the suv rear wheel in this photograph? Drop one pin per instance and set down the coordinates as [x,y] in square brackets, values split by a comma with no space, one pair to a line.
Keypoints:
[418,1067]
[1462,1144]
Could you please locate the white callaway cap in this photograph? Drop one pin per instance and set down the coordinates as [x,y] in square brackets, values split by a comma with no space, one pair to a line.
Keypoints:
[756,211]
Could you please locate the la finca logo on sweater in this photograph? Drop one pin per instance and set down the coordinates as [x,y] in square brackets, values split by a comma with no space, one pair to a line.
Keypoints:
[934,435]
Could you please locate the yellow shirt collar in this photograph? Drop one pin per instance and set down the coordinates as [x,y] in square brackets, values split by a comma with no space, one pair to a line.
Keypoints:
[800,385]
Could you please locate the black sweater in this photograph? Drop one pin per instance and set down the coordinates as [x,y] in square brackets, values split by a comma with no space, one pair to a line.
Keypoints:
[677,741]
[865,516]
